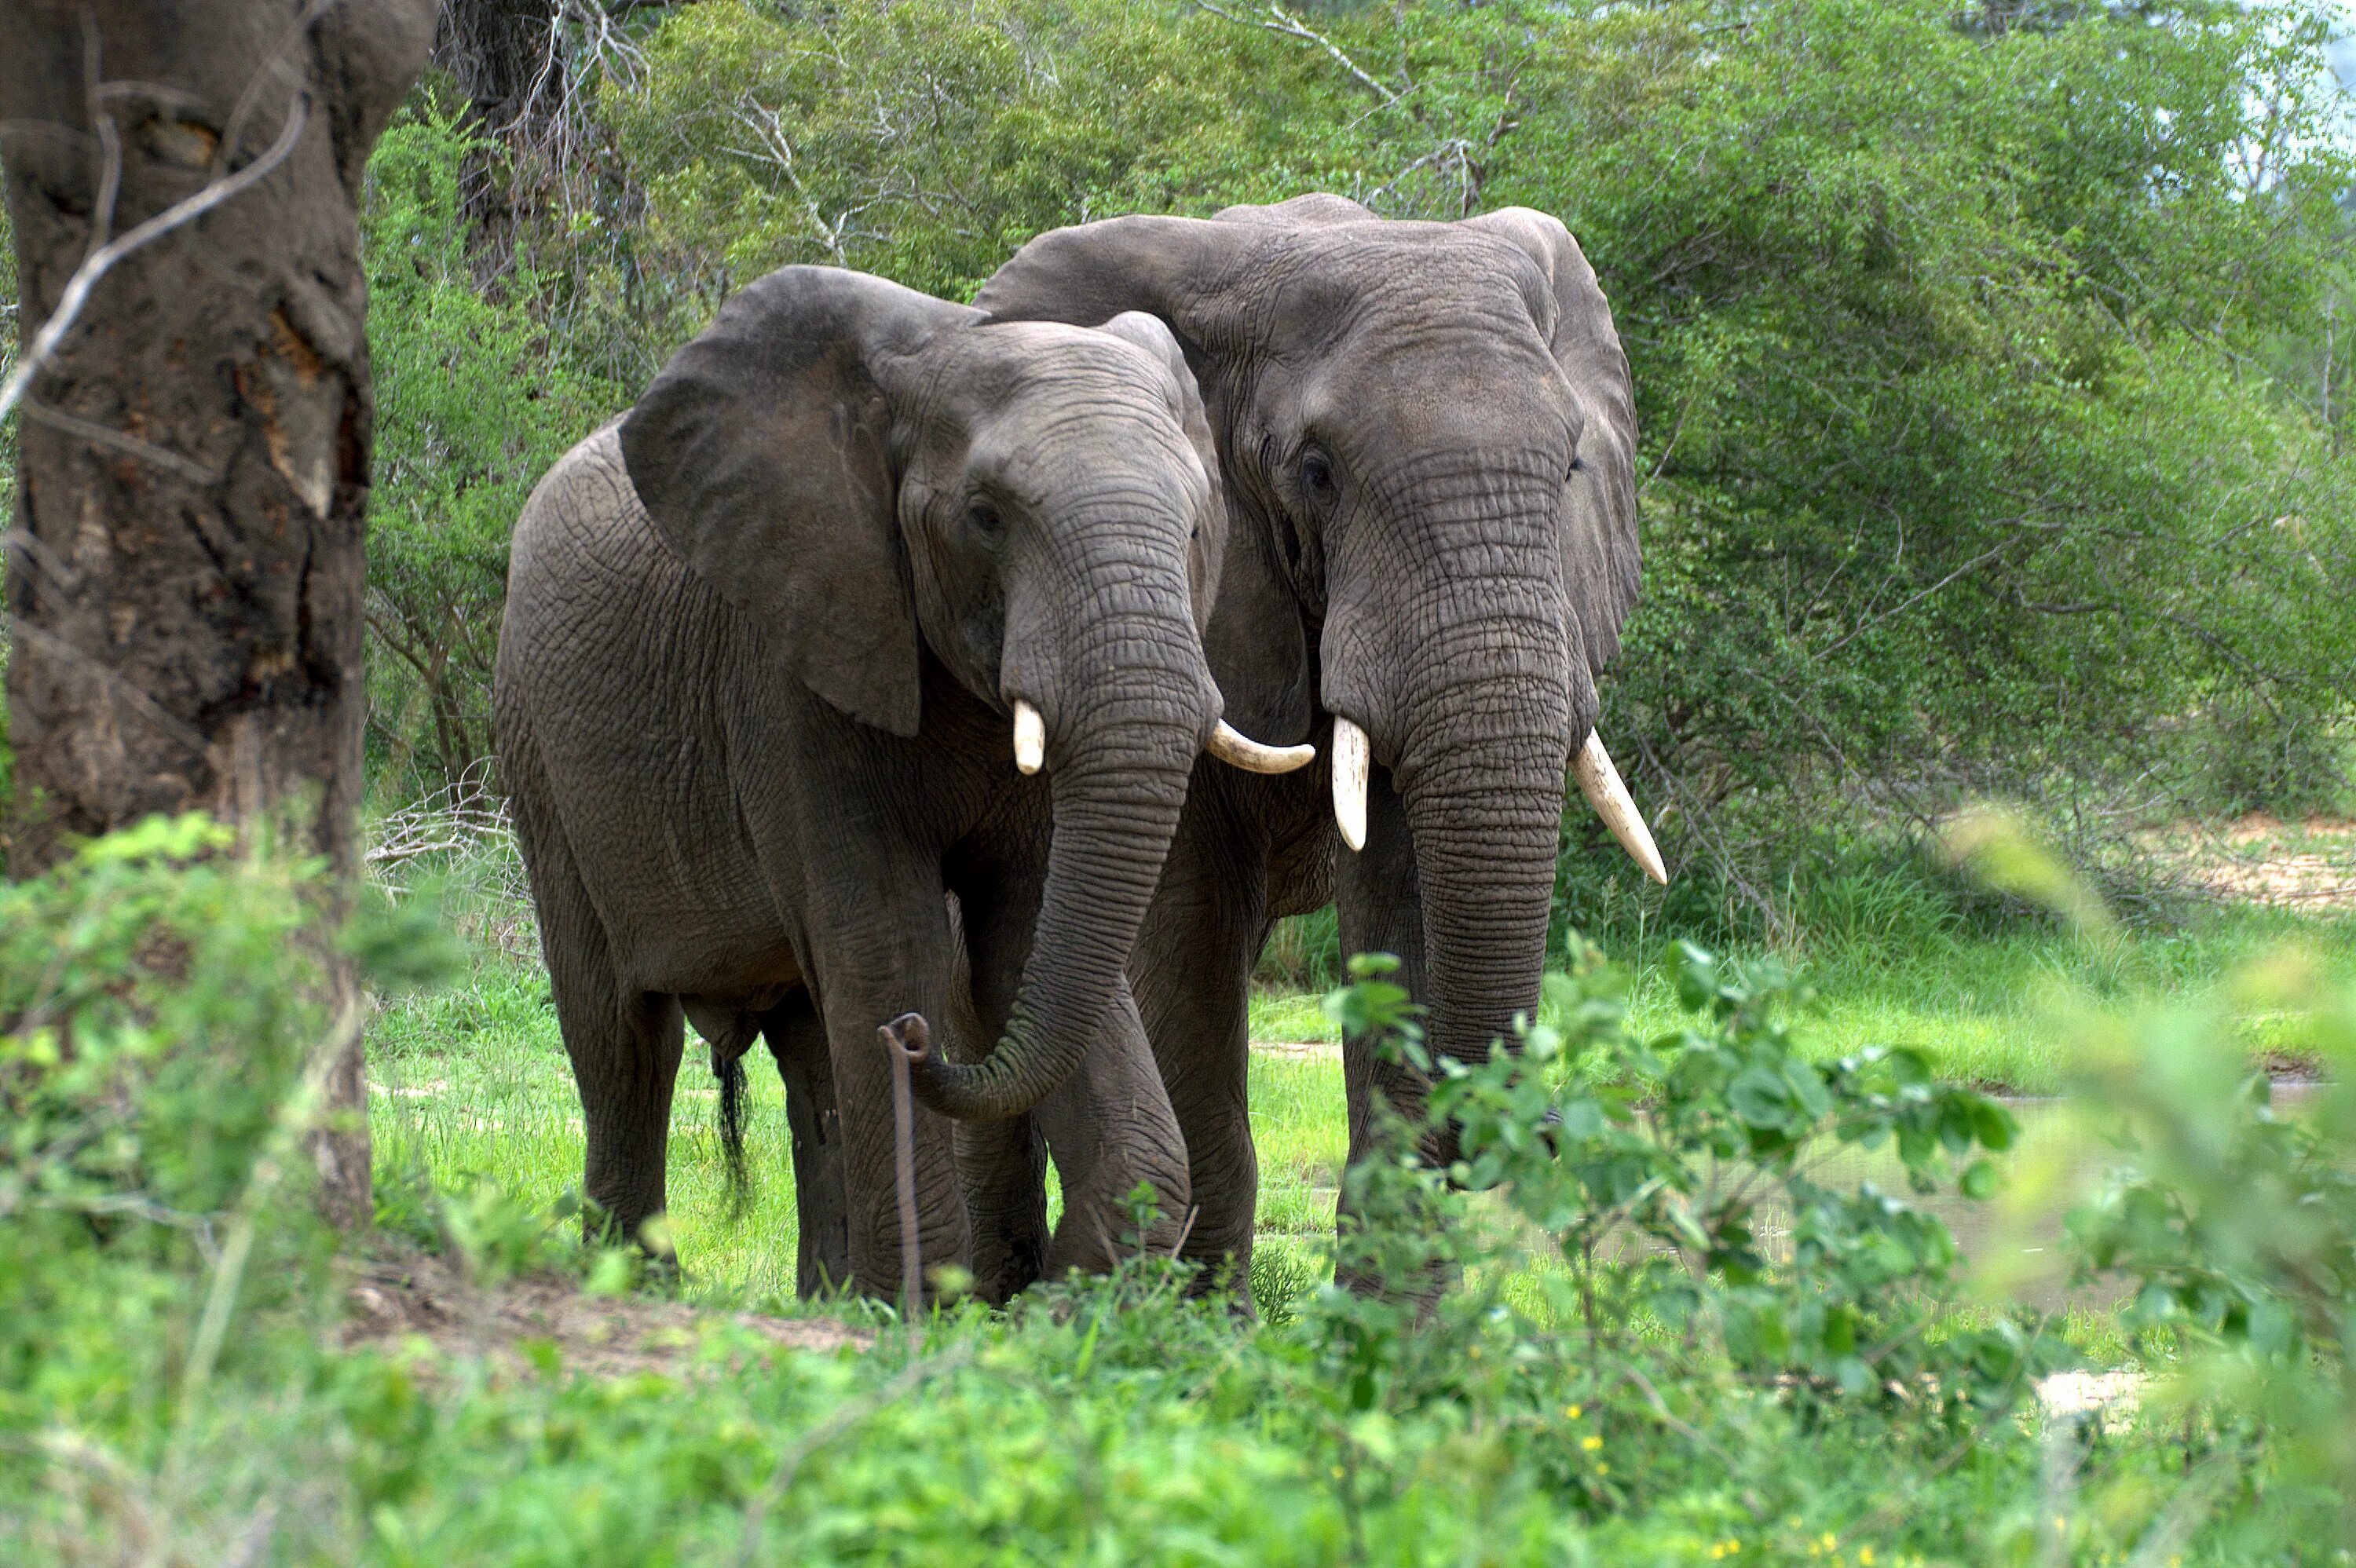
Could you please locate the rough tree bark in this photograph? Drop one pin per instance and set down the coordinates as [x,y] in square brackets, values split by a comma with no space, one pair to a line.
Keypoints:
[186,569]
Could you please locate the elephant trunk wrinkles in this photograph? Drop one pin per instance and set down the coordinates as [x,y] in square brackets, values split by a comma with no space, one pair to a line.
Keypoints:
[1482,789]
[1118,785]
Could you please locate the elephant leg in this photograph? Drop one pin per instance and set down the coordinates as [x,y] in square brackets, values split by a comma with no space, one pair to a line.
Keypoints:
[821,1206]
[1191,976]
[626,1049]
[891,957]
[1001,1165]
[1379,900]
[1111,1127]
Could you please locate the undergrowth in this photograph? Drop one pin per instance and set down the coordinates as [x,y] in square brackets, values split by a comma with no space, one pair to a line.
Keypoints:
[1640,1317]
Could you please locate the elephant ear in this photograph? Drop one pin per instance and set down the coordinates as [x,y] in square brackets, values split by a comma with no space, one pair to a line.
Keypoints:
[1170,267]
[762,454]
[1599,500]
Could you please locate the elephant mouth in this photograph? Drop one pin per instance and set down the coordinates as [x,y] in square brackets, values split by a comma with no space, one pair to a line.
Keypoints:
[1599,781]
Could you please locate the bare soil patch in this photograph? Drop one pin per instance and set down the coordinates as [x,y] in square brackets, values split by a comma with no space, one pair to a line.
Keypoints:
[2261,859]
[398,1297]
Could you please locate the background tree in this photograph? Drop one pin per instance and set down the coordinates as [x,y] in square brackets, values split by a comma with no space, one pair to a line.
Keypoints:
[185,575]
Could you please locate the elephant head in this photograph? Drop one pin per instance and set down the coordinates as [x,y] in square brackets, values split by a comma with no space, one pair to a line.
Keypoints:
[1428,435]
[875,477]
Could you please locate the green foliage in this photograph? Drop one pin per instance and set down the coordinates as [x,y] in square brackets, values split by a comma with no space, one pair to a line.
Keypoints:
[474,404]
[1658,1330]
[1659,1170]
[149,995]
[1663,1166]
[1967,461]
[154,1019]
[2236,1225]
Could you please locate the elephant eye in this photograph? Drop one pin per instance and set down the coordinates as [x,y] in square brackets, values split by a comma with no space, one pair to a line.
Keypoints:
[1316,473]
[1579,465]
[984,520]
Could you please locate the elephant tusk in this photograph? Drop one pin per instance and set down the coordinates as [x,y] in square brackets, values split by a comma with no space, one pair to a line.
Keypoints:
[1599,781]
[1350,759]
[1030,737]
[1235,748]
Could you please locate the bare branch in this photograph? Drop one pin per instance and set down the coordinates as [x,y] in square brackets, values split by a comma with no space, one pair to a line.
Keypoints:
[146,707]
[1285,26]
[39,412]
[78,288]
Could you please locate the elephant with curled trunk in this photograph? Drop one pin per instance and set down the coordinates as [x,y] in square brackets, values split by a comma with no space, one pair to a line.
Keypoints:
[781,645]
[1426,435]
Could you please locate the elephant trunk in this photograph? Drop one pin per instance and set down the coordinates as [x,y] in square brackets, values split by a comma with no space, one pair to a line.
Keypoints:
[1119,772]
[1481,781]
[1486,829]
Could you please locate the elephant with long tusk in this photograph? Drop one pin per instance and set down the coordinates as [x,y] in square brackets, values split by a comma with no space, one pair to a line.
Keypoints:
[1427,437]
[1597,780]
[764,637]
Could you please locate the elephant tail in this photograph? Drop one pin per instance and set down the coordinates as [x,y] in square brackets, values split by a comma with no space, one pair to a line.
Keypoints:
[730,1070]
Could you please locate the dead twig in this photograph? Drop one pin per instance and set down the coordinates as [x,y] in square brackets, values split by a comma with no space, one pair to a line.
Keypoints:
[1285,26]
[39,413]
[85,278]
[906,1039]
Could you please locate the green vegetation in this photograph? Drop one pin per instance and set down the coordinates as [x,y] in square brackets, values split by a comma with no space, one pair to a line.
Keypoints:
[1679,1334]
[1994,439]
[1997,426]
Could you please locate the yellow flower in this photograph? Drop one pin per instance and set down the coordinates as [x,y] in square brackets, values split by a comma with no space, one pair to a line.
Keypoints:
[1865,1556]
[1590,1443]
[1573,1411]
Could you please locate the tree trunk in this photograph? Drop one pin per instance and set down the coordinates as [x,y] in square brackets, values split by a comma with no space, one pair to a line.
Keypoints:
[186,569]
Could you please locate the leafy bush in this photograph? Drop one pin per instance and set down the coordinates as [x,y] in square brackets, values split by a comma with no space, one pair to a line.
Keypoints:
[158,1010]
[2236,1227]
[1966,463]
[474,404]
[1668,1334]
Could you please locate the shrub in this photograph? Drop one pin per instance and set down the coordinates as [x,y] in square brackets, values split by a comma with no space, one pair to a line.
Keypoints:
[158,1010]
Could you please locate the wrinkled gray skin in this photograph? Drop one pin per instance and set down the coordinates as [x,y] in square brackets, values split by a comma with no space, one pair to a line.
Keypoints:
[763,639]
[1426,435]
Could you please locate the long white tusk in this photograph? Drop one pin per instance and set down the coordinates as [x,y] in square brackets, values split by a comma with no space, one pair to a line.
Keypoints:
[1349,758]
[1232,746]
[1599,781]
[1030,737]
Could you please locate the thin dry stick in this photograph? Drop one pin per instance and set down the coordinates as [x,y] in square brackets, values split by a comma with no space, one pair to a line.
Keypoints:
[86,276]
[123,441]
[1286,27]
[138,700]
[907,1038]
[1193,1211]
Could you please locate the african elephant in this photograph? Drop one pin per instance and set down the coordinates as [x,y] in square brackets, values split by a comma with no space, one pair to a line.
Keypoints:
[1427,435]
[781,645]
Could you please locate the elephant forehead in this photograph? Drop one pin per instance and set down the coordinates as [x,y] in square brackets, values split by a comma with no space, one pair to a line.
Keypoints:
[1087,447]
[1015,358]
[1394,274]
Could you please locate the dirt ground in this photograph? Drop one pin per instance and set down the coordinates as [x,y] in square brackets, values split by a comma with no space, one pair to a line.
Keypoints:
[2261,859]
[399,1295]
